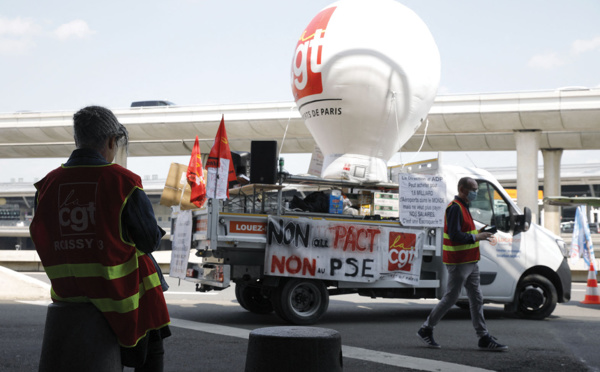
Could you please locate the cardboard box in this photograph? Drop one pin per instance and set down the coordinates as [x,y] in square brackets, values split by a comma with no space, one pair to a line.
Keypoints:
[365,210]
[386,204]
[336,204]
[174,186]
[365,203]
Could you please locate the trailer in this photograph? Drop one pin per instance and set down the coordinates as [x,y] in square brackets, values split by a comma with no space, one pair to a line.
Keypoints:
[288,260]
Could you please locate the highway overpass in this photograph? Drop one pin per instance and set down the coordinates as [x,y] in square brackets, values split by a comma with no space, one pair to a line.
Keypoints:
[526,122]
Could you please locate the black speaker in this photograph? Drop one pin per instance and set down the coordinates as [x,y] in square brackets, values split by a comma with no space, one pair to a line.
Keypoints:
[263,162]
[241,164]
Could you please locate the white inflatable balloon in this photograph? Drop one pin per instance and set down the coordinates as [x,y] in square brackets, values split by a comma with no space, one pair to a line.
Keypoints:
[364,76]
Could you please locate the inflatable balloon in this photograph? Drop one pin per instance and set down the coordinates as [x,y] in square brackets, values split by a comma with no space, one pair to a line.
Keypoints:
[364,76]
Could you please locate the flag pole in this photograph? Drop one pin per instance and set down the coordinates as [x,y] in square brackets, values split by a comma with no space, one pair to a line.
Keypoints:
[182,189]
[217,178]
[181,197]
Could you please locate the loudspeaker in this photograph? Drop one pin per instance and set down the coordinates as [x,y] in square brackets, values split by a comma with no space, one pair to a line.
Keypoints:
[241,164]
[263,162]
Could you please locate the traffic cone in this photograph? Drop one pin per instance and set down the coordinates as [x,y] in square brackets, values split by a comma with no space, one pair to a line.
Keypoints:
[592,295]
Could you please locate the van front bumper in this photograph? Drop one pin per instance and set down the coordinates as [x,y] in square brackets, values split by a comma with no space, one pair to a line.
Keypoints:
[564,274]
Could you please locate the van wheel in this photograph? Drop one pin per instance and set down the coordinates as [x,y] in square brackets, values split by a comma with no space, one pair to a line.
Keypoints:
[536,297]
[301,301]
[251,299]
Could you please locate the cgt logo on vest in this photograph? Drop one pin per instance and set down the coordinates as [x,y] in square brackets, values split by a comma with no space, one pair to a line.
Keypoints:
[77,208]
[402,251]
[306,67]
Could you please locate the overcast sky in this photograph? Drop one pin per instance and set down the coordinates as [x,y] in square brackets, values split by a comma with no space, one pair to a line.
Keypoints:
[63,55]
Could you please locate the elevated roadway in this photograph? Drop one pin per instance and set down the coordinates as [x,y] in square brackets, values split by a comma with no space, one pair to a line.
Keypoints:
[565,119]
[550,121]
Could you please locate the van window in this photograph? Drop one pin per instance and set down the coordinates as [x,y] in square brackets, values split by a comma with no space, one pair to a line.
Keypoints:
[490,208]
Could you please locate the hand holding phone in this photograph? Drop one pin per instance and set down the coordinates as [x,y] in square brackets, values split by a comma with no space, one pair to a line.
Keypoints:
[490,229]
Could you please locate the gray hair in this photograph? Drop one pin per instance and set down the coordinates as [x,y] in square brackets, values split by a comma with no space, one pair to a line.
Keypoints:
[93,125]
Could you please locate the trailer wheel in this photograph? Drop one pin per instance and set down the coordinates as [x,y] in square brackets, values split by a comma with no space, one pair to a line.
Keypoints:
[251,299]
[301,301]
[536,297]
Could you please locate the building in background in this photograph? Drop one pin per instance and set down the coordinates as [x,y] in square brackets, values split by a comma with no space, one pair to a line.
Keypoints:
[16,202]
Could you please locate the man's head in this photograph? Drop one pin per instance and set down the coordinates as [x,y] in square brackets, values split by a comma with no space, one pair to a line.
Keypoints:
[467,185]
[94,126]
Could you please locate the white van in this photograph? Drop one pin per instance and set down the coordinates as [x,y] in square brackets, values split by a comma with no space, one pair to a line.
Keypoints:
[524,265]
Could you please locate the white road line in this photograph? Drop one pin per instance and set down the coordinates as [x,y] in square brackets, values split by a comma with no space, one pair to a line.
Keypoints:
[404,361]
[36,302]
[211,328]
[390,359]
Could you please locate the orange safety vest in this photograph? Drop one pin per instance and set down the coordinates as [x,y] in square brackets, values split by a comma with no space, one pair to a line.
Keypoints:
[77,233]
[455,253]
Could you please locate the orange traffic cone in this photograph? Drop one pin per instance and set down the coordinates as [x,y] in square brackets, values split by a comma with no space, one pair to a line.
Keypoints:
[592,295]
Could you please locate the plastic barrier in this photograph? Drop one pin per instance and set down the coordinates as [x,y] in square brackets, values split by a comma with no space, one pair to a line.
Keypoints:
[294,349]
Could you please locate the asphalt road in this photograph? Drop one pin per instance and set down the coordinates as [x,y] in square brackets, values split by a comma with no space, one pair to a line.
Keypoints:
[210,334]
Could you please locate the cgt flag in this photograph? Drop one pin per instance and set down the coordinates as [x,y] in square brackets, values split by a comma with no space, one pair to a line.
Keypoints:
[219,166]
[195,177]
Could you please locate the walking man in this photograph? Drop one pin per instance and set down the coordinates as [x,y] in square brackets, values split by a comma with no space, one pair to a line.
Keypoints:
[461,254]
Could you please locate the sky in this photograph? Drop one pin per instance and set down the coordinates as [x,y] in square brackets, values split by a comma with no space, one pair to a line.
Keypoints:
[66,54]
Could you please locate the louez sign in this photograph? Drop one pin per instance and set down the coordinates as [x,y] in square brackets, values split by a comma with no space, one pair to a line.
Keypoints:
[244,227]
[333,250]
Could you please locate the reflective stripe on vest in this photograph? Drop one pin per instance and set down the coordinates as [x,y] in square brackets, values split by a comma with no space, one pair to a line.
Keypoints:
[110,273]
[84,270]
[460,253]
[119,306]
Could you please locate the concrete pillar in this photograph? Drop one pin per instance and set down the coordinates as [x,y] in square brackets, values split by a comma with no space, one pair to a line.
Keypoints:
[78,338]
[528,144]
[552,188]
[121,156]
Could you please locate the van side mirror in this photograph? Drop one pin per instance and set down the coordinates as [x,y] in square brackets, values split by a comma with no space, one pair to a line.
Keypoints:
[522,222]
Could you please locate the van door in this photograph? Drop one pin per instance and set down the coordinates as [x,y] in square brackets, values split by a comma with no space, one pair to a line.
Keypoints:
[502,258]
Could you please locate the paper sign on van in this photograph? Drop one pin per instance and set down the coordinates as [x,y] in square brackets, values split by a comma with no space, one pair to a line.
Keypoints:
[422,199]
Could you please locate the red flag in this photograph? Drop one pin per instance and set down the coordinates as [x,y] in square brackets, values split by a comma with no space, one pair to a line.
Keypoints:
[220,166]
[195,177]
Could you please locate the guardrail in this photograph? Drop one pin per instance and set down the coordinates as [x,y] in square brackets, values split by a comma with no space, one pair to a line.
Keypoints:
[29,260]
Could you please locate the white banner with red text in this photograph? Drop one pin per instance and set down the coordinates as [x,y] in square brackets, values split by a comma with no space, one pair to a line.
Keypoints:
[340,250]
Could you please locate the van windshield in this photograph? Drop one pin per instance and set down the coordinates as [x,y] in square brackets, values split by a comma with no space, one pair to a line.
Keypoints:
[490,208]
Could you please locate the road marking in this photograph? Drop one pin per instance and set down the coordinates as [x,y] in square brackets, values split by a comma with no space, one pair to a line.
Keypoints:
[191,293]
[404,361]
[211,328]
[38,302]
[374,356]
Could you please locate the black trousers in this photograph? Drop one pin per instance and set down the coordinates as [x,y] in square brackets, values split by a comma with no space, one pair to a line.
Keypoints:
[147,355]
